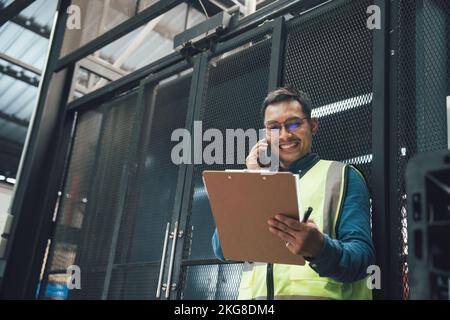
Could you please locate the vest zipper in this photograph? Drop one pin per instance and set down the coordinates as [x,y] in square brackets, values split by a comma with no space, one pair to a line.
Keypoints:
[269,281]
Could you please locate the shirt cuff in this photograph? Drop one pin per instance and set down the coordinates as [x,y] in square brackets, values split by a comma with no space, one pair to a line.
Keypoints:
[328,258]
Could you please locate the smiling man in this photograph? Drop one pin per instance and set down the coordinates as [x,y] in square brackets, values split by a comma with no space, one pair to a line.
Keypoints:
[336,241]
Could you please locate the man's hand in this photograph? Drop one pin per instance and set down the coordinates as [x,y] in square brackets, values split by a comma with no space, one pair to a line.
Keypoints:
[303,239]
[252,159]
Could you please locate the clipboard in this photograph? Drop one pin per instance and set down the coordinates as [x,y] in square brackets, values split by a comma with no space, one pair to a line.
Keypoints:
[241,202]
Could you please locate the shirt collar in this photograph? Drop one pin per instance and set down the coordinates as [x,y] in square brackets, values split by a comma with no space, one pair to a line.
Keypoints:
[303,163]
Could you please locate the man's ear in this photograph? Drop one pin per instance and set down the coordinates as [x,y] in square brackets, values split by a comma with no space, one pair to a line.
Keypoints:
[314,125]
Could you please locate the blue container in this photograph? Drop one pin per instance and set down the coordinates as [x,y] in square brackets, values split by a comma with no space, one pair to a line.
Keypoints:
[56,291]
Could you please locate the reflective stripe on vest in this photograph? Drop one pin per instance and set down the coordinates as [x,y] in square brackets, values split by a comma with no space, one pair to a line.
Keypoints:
[323,188]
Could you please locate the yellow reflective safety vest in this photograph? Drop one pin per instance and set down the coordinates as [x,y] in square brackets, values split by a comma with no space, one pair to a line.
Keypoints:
[322,187]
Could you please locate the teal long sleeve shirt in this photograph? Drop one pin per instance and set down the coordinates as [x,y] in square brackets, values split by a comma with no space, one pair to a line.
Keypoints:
[346,258]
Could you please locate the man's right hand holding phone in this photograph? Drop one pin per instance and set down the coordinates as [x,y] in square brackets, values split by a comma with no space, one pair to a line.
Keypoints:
[251,161]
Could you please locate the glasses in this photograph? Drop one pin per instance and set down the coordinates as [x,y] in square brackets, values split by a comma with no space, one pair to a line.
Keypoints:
[290,125]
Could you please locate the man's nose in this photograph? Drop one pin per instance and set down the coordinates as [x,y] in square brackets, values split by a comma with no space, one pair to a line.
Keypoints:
[284,133]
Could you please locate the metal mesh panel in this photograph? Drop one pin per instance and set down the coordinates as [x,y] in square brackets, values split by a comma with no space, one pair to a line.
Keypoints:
[432,84]
[236,85]
[423,75]
[114,146]
[91,286]
[152,195]
[73,203]
[86,218]
[212,282]
[329,55]
[134,282]
[151,198]
[406,127]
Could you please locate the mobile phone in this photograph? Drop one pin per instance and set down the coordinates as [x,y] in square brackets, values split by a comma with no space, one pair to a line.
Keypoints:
[265,163]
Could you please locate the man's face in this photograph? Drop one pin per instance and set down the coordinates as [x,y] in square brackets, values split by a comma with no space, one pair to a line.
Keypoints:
[296,142]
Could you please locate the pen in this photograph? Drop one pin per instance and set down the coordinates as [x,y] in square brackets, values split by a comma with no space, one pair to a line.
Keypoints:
[307,214]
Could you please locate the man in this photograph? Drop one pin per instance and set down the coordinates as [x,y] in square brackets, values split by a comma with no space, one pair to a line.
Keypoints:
[336,241]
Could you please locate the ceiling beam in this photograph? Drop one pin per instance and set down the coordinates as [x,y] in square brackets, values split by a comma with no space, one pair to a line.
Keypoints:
[221,6]
[211,8]
[7,70]
[13,10]
[20,64]
[81,89]
[132,47]
[126,27]
[32,26]
[14,119]
[136,42]
[102,68]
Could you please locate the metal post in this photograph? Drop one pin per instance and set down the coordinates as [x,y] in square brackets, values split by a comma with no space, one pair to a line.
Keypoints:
[39,176]
[277,54]
[186,175]
[71,124]
[380,149]
[13,10]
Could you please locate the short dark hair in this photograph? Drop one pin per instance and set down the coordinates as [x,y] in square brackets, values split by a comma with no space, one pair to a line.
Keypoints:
[285,94]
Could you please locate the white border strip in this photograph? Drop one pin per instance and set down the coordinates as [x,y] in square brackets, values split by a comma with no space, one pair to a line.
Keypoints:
[343,105]
[360,160]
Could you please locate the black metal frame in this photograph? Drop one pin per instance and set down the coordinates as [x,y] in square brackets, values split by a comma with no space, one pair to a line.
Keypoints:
[14,119]
[271,11]
[392,150]
[380,139]
[34,203]
[275,29]
[197,90]
[10,72]
[129,171]
[10,156]
[186,173]
[124,84]
[277,54]
[38,181]
[13,10]
[214,23]
[151,81]
[71,123]
[31,26]
[122,29]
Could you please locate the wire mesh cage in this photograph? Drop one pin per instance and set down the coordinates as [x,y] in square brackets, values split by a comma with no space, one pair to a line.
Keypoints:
[236,83]
[422,78]
[115,204]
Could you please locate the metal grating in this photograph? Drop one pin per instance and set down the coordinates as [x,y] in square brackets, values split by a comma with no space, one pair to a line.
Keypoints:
[91,287]
[151,199]
[432,84]
[134,282]
[329,55]
[85,227]
[423,74]
[73,203]
[212,282]
[236,85]
[113,149]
